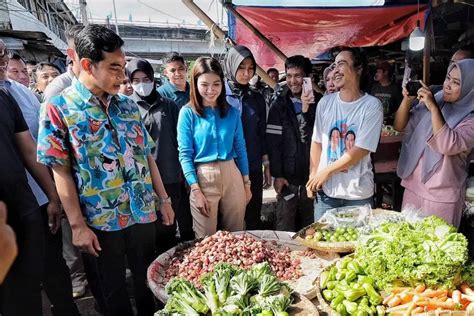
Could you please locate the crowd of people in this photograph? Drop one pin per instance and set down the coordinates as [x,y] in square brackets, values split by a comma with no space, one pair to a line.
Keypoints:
[138,168]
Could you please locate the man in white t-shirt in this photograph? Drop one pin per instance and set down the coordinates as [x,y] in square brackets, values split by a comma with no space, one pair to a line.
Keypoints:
[346,130]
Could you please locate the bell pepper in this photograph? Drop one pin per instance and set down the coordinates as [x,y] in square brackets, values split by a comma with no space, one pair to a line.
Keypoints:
[365,279]
[332,274]
[351,307]
[354,266]
[380,310]
[341,309]
[353,294]
[340,275]
[331,285]
[375,298]
[350,276]
[328,295]
[323,279]
[336,301]
[361,313]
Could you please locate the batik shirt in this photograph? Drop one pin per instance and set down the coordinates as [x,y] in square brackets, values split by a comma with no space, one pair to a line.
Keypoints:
[107,152]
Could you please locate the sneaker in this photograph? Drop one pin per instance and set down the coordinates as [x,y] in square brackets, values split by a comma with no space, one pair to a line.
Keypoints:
[78,292]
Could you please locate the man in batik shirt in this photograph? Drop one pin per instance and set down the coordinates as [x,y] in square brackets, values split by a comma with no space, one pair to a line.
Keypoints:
[98,148]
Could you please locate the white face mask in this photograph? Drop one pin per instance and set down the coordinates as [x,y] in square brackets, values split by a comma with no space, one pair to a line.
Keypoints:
[143,88]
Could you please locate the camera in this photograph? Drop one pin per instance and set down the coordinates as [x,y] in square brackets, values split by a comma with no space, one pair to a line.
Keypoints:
[412,87]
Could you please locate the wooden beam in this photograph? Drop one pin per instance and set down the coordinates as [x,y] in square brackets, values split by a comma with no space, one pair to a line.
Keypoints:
[427,50]
[255,31]
[220,34]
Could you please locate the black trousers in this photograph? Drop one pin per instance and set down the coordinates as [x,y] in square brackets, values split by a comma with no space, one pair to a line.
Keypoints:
[253,211]
[56,281]
[166,235]
[137,244]
[20,293]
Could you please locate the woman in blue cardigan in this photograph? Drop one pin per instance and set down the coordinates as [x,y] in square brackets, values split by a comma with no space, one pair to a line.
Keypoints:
[212,153]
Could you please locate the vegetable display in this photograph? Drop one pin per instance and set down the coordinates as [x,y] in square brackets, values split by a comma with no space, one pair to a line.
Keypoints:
[412,301]
[349,291]
[332,235]
[240,250]
[229,290]
[427,252]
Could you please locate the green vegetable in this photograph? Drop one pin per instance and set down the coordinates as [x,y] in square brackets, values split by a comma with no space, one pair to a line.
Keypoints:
[242,283]
[331,285]
[350,276]
[258,270]
[188,294]
[341,309]
[269,284]
[278,303]
[323,279]
[353,294]
[351,307]
[365,279]
[429,251]
[355,267]
[381,310]
[340,275]
[336,301]
[177,305]
[328,295]
[374,297]
[210,294]
[222,277]
[361,313]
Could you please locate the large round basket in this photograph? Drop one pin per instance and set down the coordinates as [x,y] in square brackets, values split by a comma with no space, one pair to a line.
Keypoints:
[311,267]
[339,247]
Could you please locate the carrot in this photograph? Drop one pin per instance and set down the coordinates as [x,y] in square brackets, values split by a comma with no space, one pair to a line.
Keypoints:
[398,289]
[434,293]
[420,288]
[441,297]
[388,298]
[406,297]
[396,300]
[417,310]
[409,310]
[456,296]
[399,308]
[466,289]
[437,304]
[467,297]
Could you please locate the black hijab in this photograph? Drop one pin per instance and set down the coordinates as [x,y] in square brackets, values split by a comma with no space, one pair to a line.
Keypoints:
[140,64]
[233,59]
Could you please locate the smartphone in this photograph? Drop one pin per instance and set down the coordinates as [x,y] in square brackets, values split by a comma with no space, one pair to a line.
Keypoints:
[412,87]
[286,193]
[307,85]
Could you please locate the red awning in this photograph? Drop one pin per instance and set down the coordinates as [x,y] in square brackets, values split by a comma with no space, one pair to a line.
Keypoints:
[311,31]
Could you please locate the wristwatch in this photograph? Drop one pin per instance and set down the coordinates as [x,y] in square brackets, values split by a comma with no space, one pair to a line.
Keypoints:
[165,200]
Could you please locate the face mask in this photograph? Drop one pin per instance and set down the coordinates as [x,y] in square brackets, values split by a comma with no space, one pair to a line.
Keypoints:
[143,88]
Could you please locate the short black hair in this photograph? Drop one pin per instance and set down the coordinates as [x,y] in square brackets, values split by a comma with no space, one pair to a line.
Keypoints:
[299,61]
[174,56]
[94,40]
[31,62]
[269,70]
[40,67]
[468,48]
[16,56]
[72,32]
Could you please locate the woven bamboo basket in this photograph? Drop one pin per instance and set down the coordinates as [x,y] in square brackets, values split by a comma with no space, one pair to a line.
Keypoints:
[339,247]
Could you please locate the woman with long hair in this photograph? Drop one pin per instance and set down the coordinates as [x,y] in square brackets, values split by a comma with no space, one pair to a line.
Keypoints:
[212,153]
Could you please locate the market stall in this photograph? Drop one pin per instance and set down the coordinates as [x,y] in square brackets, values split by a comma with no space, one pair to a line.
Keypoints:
[402,264]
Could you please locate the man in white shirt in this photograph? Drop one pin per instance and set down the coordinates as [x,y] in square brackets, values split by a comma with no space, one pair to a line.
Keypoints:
[346,130]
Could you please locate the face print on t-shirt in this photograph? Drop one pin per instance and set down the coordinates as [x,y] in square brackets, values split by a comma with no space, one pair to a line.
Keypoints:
[341,139]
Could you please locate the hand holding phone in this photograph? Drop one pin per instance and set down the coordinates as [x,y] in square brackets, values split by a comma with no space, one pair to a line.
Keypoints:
[412,87]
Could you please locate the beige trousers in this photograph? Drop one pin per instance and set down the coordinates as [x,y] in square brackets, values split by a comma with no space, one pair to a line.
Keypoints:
[222,185]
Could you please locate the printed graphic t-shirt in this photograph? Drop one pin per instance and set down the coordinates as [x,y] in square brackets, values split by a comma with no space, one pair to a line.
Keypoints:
[339,126]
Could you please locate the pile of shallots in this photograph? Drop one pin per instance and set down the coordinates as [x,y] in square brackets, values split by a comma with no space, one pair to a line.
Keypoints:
[241,250]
